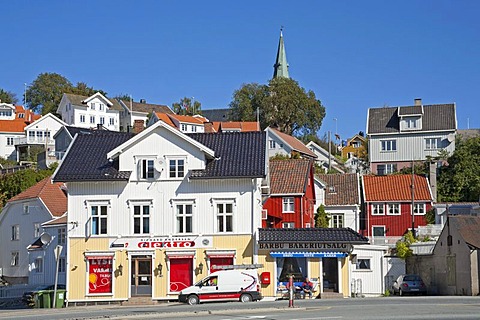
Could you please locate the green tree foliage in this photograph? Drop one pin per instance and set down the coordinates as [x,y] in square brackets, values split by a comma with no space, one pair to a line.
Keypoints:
[17,182]
[403,245]
[460,180]
[430,216]
[322,218]
[46,91]
[282,103]
[187,107]
[8,97]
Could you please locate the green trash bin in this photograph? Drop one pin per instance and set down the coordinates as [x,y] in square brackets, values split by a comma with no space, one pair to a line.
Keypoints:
[60,299]
[37,298]
[45,298]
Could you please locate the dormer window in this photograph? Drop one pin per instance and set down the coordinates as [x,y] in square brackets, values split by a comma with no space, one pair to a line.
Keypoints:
[411,123]
[21,115]
[331,189]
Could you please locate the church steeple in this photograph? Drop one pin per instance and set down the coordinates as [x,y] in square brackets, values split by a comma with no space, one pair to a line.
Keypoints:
[280,68]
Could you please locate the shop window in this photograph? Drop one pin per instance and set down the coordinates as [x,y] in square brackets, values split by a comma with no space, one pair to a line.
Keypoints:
[291,266]
[100,270]
[220,261]
[181,273]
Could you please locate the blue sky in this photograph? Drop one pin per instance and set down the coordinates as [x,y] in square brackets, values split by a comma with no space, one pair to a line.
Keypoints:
[353,54]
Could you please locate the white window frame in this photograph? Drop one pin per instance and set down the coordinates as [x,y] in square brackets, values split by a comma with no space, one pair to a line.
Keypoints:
[141,216]
[99,217]
[421,206]
[14,259]
[378,209]
[62,235]
[147,169]
[92,119]
[272,144]
[288,204]
[37,229]
[433,143]
[183,127]
[184,219]
[26,208]
[288,225]
[410,123]
[378,227]
[111,121]
[100,106]
[176,172]
[337,220]
[194,128]
[393,209]
[10,141]
[366,263]
[82,118]
[92,106]
[15,234]
[224,218]
[102,120]
[388,145]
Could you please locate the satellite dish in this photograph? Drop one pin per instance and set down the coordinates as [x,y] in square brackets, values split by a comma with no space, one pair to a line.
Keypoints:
[451,137]
[45,238]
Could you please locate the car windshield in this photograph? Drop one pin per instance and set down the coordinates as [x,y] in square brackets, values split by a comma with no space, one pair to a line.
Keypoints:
[412,277]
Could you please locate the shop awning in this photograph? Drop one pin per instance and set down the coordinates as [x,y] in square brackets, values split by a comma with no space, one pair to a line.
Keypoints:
[221,254]
[300,254]
[180,255]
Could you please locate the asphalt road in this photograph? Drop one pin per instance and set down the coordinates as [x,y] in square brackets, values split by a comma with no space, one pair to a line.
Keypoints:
[359,309]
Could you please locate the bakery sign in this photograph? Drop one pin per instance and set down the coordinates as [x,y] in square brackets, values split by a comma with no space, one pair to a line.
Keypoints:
[342,247]
[161,242]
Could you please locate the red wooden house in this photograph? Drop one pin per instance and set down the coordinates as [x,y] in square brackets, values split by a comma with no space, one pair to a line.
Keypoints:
[387,212]
[292,195]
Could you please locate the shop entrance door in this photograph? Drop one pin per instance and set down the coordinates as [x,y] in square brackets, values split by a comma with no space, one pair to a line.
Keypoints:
[141,276]
[330,274]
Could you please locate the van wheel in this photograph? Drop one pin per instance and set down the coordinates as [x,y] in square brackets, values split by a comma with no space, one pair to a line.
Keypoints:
[245,298]
[193,299]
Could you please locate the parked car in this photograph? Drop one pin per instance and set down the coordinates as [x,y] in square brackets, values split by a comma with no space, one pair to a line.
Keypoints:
[409,283]
[28,297]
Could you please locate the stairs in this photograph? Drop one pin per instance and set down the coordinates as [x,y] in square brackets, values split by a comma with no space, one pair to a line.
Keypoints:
[139,301]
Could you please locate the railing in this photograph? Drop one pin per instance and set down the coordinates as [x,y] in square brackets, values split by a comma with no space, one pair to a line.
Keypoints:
[389,241]
[33,140]
[14,169]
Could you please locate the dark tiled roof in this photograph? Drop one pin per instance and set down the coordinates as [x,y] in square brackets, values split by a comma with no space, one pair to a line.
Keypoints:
[77,100]
[410,111]
[469,228]
[344,191]
[345,235]
[436,117]
[147,107]
[237,154]
[216,114]
[74,130]
[289,176]
[87,158]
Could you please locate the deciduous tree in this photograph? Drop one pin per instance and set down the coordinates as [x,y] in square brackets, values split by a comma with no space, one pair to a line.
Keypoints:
[8,97]
[187,107]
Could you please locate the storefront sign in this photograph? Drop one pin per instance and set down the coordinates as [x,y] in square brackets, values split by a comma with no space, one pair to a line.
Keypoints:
[158,243]
[295,254]
[344,247]
[100,274]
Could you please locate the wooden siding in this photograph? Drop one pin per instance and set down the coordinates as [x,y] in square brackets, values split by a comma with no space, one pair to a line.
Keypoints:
[409,147]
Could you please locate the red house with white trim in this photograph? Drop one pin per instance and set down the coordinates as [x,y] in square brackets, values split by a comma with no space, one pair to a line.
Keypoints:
[387,213]
[292,195]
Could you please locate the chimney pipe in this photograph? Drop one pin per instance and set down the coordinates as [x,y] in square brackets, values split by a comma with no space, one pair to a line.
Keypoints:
[418,101]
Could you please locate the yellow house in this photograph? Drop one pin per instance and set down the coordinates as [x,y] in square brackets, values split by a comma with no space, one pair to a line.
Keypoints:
[356,147]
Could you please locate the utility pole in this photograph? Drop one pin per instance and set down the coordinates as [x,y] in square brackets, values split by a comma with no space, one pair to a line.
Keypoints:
[329,153]
[413,199]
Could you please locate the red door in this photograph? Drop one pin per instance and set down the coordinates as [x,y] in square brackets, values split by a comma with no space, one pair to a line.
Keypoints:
[220,261]
[181,273]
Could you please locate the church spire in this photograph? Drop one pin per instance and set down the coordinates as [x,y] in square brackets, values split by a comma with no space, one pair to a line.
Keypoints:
[280,68]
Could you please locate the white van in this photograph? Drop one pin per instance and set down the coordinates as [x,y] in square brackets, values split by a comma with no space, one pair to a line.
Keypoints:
[224,285]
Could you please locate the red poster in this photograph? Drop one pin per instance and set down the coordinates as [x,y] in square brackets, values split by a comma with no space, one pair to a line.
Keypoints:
[100,275]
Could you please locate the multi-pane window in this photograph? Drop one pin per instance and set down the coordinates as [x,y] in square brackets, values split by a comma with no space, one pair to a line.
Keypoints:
[82,118]
[419,208]
[93,106]
[100,105]
[194,128]
[184,214]
[271,144]
[62,235]
[62,265]
[224,217]
[26,209]
[363,264]
[176,168]
[383,169]
[99,219]
[184,127]
[378,231]
[287,225]
[377,209]
[31,135]
[288,204]
[410,123]
[38,265]
[148,171]
[337,220]
[102,120]
[15,232]
[9,141]
[141,219]
[393,209]
[36,229]
[14,258]
[433,143]
[389,145]
[111,121]
[92,119]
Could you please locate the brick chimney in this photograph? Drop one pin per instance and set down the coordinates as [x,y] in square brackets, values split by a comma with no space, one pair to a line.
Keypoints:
[418,101]
[138,126]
